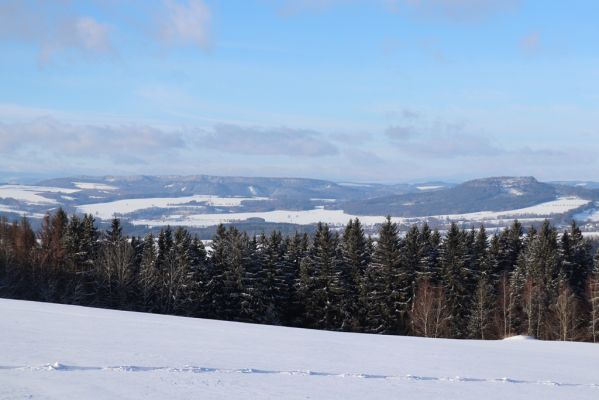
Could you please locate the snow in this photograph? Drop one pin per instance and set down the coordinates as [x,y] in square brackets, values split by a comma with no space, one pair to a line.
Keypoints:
[423,188]
[61,352]
[339,217]
[520,337]
[120,207]
[31,194]
[558,206]
[590,215]
[354,184]
[94,186]
[304,217]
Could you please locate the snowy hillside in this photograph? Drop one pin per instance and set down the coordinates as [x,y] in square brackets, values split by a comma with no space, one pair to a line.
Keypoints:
[205,201]
[66,352]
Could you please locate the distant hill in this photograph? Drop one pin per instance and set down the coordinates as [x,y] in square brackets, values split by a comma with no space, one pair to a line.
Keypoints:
[489,194]
[297,189]
[294,204]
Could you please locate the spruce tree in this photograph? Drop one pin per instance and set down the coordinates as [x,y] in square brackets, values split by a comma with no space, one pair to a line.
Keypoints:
[410,258]
[576,260]
[455,261]
[428,267]
[542,272]
[355,258]
[230,274]
[321,281]
[383,282]
[215,289]
[115,233]
[593,299]
[296,250]
[148,278]
[273,285]
[200,275]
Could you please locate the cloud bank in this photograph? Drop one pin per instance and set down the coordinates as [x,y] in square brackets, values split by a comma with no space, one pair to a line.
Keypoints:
[236,139]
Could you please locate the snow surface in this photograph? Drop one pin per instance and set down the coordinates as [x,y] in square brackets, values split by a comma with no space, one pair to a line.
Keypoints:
[120,207]
[339,217]
[94,186]
[354,184]
[520,337]
[54,351]
[424,188]
[31,194]
[590,215]
[558,206]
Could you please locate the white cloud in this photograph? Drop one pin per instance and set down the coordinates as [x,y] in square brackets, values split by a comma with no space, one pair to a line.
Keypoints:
[238,139]
[50,26]
[56,138]
[400,132]
[186,23]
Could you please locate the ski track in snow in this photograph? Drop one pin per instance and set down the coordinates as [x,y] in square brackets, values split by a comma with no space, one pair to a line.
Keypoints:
[58,367]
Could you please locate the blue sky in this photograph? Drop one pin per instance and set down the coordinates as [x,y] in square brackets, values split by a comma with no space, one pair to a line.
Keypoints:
[377,90]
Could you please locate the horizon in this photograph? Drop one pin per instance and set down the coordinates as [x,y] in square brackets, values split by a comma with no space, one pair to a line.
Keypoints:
[29,180]
[342,90]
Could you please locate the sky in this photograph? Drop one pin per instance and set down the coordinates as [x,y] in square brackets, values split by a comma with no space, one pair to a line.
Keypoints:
[348,90]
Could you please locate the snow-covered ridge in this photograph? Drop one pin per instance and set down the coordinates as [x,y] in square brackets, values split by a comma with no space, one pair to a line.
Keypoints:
[63,352]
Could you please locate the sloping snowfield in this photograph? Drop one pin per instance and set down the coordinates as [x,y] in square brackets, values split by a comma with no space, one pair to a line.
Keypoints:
[339,217]
[119,207]
[66,352]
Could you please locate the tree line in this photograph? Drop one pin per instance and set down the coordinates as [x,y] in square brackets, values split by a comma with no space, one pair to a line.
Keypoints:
[462,284]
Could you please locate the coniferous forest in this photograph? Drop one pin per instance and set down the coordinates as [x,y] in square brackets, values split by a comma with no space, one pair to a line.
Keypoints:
[462,284]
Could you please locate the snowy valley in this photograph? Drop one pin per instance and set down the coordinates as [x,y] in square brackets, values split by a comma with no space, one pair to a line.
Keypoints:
[201,202]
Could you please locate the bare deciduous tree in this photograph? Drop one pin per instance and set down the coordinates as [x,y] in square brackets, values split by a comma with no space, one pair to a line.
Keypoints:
[566,318]
[429,314]
[114,269]
[504,307]
[593,296]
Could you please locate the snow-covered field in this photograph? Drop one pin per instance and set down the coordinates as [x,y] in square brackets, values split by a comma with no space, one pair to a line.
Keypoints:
[191,210]
[590,215]
[121,207]
[339,217]
[31,194]
[66,352]
[94,186]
